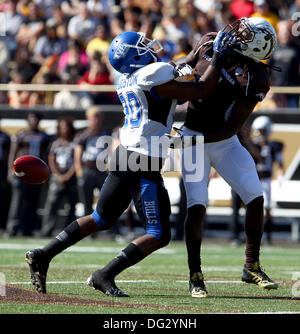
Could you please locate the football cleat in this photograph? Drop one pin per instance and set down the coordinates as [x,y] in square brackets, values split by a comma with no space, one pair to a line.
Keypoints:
[100,281]
[197,286]
[38,266]
[256,275]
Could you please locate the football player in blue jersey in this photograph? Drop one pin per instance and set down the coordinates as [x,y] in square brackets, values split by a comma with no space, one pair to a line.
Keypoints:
[148,93]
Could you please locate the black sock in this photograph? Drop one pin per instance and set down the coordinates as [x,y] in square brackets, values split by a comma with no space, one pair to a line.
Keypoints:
[68,237]
[129,256]
[193,252]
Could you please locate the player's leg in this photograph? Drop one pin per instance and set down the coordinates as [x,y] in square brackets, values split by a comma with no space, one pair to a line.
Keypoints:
[197,197]
[113,200]
[235,164]
[153,206]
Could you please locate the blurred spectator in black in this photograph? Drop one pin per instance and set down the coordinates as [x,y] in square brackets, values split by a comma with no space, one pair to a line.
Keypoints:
[31,29]
[49,44]
[61,22]
[25,65]
[203,25]
[118,21]
[83,25]
[5,189]
[86,153]
[74,60]
[99,42]
[12,23]
[154,12]
[287,56]
[26,197]
[98,74]
[63,183]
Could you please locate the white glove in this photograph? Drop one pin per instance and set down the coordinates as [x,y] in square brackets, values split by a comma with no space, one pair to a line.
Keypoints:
[182,70]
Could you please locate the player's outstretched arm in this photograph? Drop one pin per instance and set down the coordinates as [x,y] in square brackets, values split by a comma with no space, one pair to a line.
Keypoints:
[223,43]
[185,91]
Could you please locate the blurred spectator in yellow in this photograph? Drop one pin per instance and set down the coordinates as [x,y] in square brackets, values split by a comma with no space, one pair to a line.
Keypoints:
[262,10]
[287,56]
[241,8]
[100,42]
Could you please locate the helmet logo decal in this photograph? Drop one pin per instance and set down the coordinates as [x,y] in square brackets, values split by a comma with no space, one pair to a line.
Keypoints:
[121,51]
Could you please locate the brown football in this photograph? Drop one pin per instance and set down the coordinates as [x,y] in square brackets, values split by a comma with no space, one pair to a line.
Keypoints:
[31,169]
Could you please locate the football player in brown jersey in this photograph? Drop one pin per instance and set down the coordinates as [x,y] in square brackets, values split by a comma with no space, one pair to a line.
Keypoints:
[244,82]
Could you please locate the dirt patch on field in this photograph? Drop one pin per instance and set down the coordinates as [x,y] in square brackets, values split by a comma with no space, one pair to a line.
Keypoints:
[24,296]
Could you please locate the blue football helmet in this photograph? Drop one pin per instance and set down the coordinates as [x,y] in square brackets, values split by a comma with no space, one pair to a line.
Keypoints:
[131,50]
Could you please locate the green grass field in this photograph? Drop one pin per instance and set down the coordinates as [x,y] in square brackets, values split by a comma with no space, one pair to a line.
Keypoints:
[157,285]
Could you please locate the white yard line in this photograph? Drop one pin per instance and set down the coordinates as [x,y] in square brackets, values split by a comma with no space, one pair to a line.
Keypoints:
[76,249]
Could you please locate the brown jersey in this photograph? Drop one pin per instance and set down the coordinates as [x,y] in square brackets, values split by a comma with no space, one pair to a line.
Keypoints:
[241,78]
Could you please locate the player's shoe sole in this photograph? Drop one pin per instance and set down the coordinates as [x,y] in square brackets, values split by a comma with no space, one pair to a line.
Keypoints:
[256,275]
[38,267]
[99,281]
[197,287]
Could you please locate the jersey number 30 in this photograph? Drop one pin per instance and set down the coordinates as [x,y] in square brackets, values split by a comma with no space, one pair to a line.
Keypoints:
[132,109]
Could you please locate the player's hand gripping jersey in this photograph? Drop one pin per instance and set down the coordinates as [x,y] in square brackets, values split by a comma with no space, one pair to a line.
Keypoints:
[147,116]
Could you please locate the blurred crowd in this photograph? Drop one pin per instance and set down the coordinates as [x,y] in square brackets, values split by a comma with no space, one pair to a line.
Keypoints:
[67,41]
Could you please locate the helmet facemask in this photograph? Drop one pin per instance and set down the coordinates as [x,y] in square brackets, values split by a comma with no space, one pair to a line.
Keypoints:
[254,41]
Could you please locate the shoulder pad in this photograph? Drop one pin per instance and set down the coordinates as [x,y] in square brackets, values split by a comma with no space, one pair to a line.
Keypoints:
[154,75]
